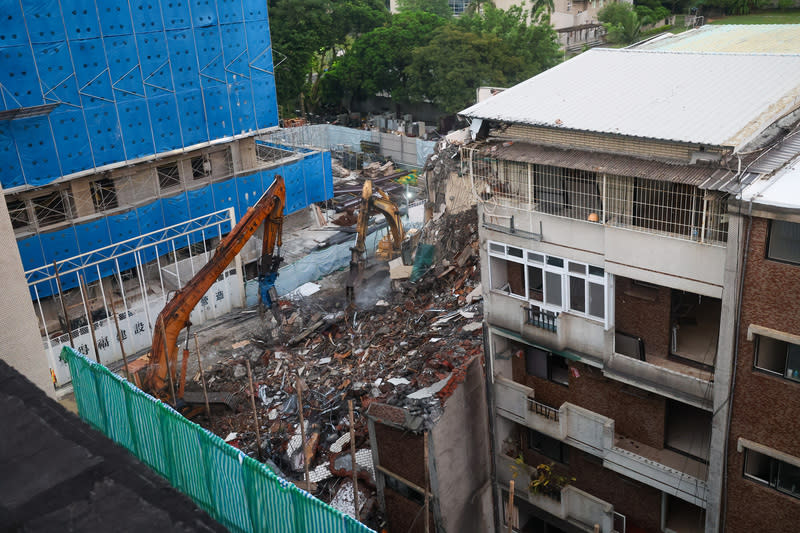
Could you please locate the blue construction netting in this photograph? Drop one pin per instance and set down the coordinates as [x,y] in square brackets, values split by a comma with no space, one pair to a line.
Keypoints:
[130,79]
[308,180]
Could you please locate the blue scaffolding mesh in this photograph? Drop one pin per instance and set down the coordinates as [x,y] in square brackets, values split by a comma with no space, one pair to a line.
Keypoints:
[308,180]
[131,79]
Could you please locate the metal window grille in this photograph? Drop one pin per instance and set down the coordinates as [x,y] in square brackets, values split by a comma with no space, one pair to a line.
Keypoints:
[18,211]
[104,194]
[168,176]
[201,167]
[50,209]
[674,209]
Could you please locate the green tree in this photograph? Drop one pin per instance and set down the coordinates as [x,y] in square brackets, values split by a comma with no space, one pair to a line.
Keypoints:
[377,61]
[309,33]
[437,7]
[455,63]
[541,10]
[536,44]
[621,22]
[650,11]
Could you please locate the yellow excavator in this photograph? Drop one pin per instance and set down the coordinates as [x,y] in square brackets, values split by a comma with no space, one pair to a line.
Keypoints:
[388,248]
[160,365]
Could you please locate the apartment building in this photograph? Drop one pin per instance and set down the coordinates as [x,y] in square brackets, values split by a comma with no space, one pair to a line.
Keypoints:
[609,262]
[763,471]
[134,135]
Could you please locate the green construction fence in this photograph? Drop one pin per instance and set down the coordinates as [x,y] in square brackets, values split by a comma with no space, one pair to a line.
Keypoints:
[241,493]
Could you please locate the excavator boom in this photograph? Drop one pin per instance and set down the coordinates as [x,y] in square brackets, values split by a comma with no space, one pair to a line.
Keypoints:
[372,204]
[174,317]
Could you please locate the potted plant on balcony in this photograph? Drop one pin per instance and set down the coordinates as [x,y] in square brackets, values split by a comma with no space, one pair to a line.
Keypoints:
[548,483]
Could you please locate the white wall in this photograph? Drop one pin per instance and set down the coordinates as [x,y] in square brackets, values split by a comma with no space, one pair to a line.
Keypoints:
[20,343]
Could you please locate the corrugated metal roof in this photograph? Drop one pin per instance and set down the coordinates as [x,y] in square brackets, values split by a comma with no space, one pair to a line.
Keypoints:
[777,156]
[606,163]
[750,38]
[782,190]
[705,98]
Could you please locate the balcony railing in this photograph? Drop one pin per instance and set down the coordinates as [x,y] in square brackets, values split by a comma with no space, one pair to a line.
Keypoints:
[541,319]
[550,413]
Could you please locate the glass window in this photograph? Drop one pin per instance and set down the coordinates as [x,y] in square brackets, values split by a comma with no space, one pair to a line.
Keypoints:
[536,362]
[793,362]
[559,369]
[555,261]
[516,252]
[788,478]
[553,288]
[499,248]
[535,284]
[784,241]
[773,472]
[548,446]
[577,268]
[771,355]
[597,300]
[507,276]
[596,271]
[757,466]
[778,357]
[577,294]
[536,258]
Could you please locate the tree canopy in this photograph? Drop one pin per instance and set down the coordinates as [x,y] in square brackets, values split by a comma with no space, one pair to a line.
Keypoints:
[355,49]
[437,7]
[377,61]
[308,31]
[621,22]
[455,63]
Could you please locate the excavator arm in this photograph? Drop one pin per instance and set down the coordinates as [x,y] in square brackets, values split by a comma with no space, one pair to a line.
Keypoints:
[372,204]
[163,357]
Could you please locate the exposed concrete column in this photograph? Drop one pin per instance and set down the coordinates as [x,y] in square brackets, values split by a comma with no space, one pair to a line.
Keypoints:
[19,332]
[723,370]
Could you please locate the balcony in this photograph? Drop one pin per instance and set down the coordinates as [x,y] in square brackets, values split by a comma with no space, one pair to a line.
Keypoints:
[669,471]
[570,504]
[664,377]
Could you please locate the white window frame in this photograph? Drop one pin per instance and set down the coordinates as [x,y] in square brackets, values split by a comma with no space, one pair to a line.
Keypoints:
[530,259]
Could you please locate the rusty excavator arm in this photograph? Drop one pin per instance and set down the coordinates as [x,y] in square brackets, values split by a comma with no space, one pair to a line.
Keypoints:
[372,204]
[161,372]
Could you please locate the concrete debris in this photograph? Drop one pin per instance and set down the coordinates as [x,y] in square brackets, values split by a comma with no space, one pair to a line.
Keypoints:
[427,392]
[303,291]
[337,446]
[407,354]
[343,499]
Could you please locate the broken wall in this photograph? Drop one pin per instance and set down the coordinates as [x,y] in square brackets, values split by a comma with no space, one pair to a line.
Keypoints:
[460,463]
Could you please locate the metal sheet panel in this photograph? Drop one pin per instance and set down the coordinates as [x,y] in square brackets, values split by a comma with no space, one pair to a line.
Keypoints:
[690,97]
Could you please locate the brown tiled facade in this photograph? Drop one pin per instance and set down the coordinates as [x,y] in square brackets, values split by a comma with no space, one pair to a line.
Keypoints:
[637,414]
[766,408]
[644,311]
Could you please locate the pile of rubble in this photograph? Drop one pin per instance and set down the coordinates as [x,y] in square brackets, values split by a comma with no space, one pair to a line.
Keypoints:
[405,348]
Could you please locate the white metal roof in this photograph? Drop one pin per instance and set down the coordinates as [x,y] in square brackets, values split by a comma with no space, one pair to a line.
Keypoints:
[781,190]
[766,38]
[707,98]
